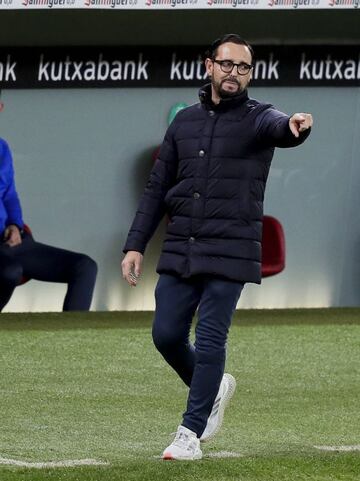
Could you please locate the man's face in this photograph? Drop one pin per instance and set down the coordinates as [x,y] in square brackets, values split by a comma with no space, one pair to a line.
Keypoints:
[228,84]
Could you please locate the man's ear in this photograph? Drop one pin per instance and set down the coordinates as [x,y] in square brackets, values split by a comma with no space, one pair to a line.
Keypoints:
[209,65]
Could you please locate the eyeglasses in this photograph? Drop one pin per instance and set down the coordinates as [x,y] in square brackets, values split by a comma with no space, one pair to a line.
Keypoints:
[227,66]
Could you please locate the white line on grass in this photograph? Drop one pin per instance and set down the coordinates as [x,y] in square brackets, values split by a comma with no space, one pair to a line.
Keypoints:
[223,454]
[356,447]
[52,464]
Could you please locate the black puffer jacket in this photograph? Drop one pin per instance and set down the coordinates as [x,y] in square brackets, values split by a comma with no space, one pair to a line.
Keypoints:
[210,179]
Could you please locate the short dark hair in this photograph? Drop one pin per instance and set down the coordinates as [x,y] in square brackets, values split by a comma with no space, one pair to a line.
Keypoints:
[211,52]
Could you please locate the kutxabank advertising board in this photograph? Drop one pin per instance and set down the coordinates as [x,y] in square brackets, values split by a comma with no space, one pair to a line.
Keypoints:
[106,67]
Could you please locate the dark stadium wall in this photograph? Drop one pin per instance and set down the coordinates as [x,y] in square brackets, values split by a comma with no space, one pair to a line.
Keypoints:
[82,155]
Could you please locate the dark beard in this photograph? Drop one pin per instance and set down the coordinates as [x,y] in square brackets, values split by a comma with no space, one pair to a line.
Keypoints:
[225,94]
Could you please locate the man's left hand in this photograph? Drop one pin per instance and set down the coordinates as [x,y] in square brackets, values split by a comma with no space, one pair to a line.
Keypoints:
[12,235]
[299,123]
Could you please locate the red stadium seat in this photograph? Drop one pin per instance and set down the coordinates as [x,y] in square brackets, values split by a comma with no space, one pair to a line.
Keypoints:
[27,229]
[273,247]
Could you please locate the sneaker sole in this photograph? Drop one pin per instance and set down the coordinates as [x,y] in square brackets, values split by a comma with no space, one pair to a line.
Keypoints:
[223,405]
[170,457]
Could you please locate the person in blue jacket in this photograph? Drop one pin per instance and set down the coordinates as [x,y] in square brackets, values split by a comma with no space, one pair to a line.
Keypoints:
[21,255]
[209,179]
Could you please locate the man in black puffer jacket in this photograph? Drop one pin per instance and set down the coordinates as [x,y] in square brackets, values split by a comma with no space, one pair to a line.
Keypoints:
[209,179]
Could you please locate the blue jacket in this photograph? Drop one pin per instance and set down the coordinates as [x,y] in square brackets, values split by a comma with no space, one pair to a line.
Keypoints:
[10,209]
[210,179]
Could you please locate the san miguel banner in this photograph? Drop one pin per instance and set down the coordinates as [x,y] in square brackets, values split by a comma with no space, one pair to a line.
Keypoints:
[75,67]
[179,4]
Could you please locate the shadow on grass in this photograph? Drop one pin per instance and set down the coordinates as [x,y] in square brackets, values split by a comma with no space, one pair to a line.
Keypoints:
[135,320]
[52,321]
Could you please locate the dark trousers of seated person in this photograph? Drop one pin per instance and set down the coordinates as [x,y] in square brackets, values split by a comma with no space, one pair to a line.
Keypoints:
[33,260]
[201,366]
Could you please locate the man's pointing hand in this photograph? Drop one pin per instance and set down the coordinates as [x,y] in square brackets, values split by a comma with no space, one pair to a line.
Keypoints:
[299,123]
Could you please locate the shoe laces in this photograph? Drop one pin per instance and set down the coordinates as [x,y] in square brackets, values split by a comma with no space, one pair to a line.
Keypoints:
[182,440]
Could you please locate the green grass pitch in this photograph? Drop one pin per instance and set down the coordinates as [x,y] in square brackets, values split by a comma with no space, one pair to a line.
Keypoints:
[91,385]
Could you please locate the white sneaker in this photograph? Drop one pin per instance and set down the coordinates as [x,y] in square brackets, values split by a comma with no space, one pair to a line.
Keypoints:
[214,422]
[185,447]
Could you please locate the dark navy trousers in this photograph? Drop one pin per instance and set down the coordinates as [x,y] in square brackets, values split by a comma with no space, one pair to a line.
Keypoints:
[34,260]
[200,366]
